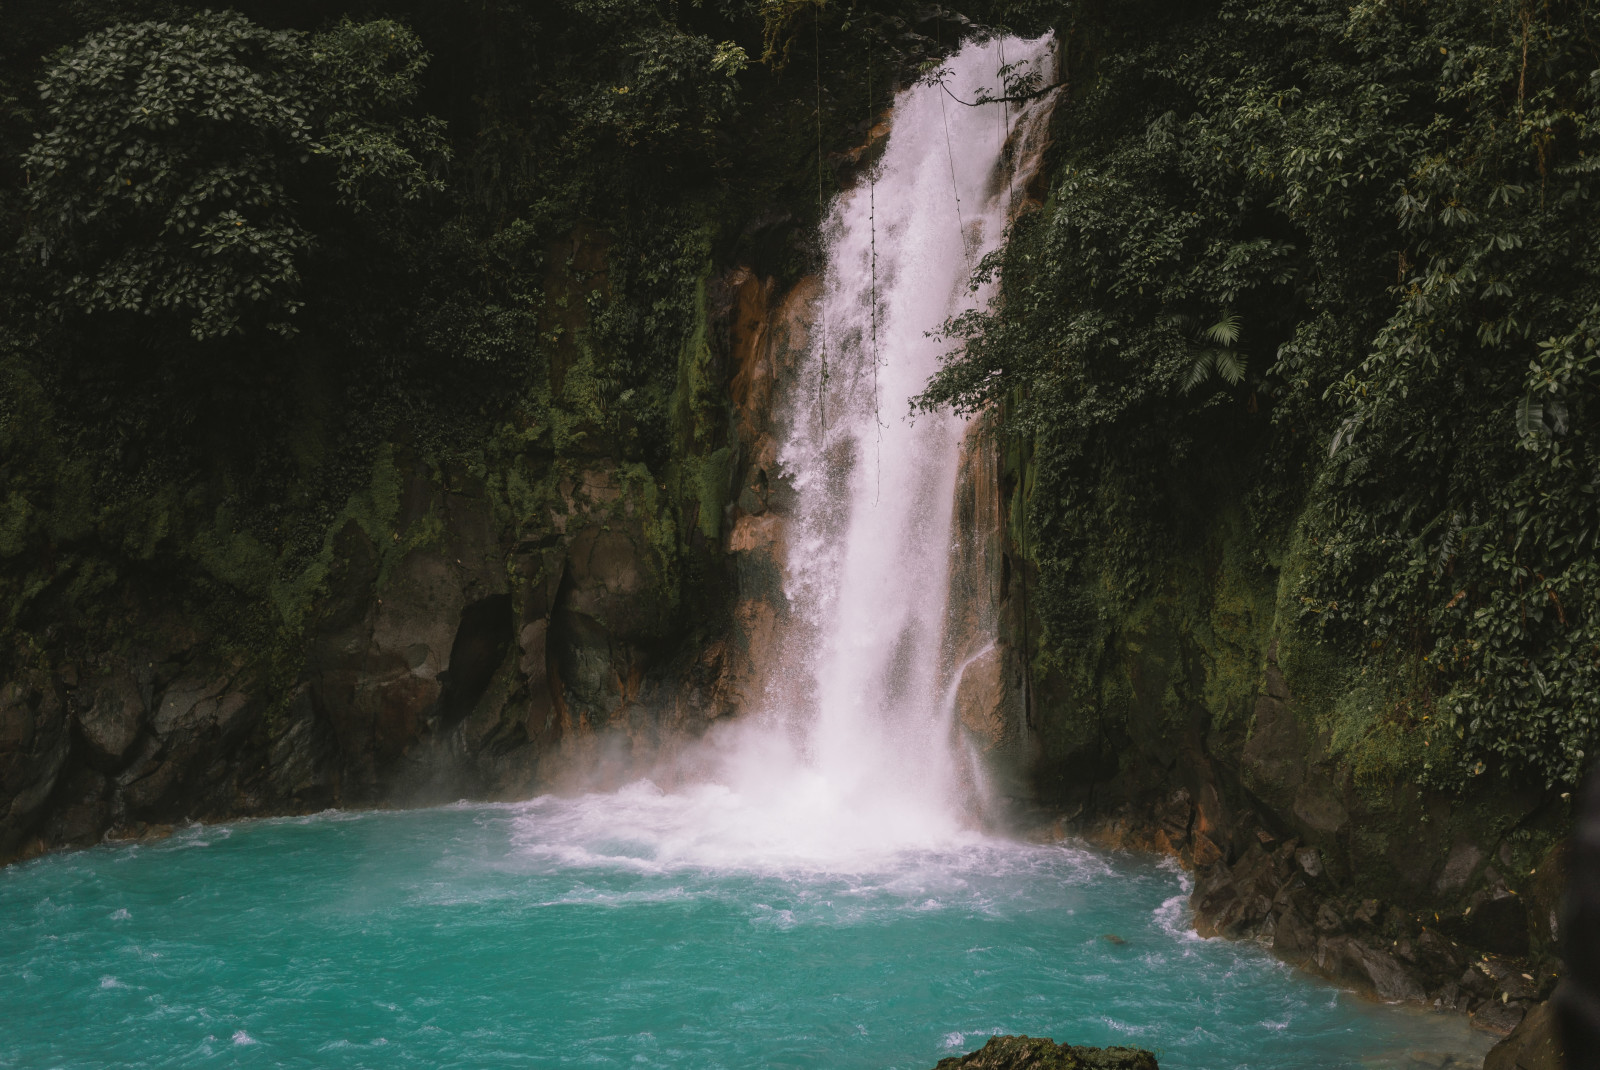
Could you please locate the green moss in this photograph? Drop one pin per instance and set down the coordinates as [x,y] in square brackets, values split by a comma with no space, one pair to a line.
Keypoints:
[524,497]
[710,483]
[662,538]
[1371,710]
[1200,638]
[239,559]
[72,513]
[1235,628]
[582,407]
[31,585]
[148,522]
[701,405]
[376,510]
[90,578]
[14,514]
[235,557]
[1319,675]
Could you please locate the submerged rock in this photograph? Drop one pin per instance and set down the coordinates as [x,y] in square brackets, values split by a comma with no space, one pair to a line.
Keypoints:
[1042,1053]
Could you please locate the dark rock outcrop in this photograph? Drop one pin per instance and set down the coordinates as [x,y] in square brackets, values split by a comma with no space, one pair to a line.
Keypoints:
[1535,1044]
[482,632]
[1577,1001]
[1199,723]
[1279,894]
[461,666]
[35,739]
[1041,1053]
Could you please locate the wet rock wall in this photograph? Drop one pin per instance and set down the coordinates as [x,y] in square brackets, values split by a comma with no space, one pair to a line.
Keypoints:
[545,616]
[1200,722]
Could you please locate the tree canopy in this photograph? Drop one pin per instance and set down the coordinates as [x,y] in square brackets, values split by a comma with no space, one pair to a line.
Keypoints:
[187,167]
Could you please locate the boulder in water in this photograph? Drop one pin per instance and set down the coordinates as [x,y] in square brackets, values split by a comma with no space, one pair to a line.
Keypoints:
[1042,1053]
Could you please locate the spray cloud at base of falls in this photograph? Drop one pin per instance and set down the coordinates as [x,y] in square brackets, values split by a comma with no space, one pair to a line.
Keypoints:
[852,749]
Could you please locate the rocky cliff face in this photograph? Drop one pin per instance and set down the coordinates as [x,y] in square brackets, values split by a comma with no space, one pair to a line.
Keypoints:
[465,666]
[769,333]
[1196,723]
[480,630]
[990,684]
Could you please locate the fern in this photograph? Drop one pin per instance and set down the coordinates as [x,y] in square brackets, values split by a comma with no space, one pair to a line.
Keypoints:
[1220,358]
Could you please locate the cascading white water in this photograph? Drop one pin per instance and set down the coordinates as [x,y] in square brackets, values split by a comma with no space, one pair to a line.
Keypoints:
[864,711]
[848,759]
[870,541]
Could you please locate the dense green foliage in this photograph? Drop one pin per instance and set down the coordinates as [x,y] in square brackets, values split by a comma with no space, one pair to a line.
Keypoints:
[1335,264]
[263,268]
[1329,267]
[172,179]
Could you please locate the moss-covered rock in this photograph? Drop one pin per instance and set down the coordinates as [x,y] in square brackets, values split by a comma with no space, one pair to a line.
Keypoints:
[450,624]
[1201,720]
[1041,1053]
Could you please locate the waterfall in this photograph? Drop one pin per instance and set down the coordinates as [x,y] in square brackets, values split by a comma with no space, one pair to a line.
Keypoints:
[847,753]
[858,726]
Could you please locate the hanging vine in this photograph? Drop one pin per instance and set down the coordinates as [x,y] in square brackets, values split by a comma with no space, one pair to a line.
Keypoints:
[822,205]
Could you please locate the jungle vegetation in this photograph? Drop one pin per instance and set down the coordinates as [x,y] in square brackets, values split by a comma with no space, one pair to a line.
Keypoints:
[256,259]
[1333,262]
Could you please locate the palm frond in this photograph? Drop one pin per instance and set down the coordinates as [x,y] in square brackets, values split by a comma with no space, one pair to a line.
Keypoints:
[1530,416]
[1228,364]
[1199,371]
[1226,330]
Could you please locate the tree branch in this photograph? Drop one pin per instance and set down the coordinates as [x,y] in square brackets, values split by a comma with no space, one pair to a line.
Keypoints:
[1017,99]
